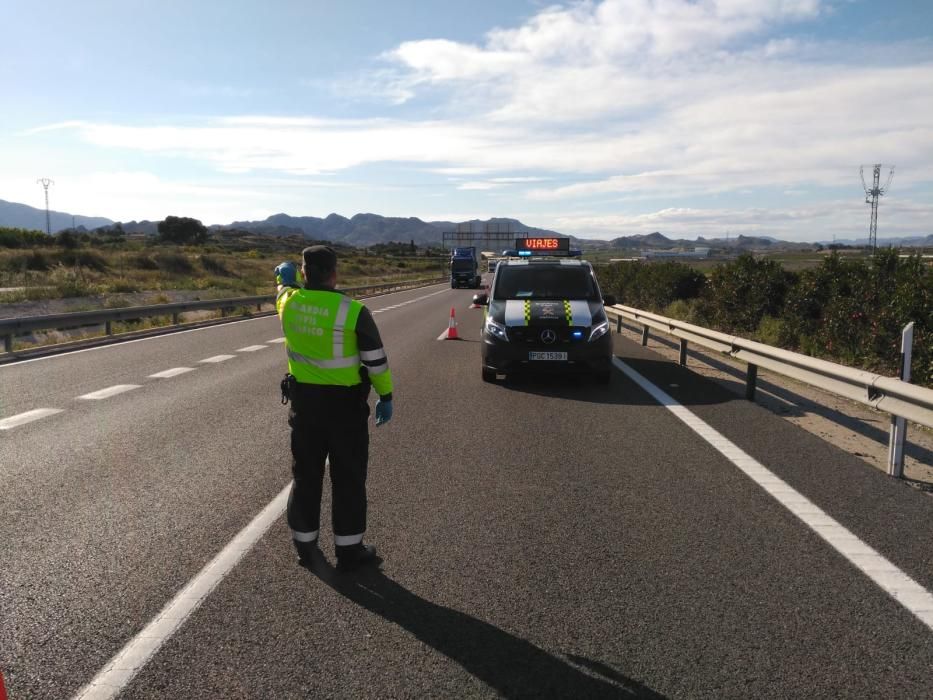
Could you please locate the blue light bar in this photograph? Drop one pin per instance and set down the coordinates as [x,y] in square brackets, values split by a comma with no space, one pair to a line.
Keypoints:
[524,253]
[577,334]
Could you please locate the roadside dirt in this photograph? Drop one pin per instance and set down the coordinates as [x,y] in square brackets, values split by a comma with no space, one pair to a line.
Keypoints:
[853,427]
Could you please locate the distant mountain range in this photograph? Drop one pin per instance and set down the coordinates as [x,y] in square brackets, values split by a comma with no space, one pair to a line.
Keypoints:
[371,229]
[23,216]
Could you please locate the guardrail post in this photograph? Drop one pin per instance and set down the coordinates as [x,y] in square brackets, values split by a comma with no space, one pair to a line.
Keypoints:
[175,317]
[751,379]
[683,352]
[644,335]
[898,424]
[618,324]
[8,343]
[108,327]
[223,312]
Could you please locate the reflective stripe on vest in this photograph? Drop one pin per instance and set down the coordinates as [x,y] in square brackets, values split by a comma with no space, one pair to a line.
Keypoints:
[336,363]
[339,324]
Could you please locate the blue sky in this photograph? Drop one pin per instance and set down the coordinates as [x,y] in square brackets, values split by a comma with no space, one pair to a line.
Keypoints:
[690,117]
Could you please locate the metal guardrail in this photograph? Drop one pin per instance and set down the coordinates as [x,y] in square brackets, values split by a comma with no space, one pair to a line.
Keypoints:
[894,396]
[12,327]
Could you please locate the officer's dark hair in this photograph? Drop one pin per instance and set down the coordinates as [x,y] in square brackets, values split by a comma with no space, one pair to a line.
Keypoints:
[320,263]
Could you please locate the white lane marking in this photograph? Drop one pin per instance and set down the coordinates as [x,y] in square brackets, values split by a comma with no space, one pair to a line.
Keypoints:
[218,358]
[169,373]
[19,363]
[109,391]
[406,303]
[252,348]
[27,417]
[277,340]
[892,580]
[130,660]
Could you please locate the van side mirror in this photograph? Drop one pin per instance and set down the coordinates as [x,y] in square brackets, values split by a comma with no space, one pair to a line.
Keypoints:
[481,300]
[609,300]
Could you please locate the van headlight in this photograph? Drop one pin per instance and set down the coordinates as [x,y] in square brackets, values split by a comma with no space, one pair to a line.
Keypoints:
[599,330]
[496,329]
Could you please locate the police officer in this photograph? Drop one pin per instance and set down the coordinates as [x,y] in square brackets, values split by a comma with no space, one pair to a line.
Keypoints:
[334,356]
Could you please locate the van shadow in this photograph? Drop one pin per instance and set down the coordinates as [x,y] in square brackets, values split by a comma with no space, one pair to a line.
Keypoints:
[513,667]
[789,403]
[620,391]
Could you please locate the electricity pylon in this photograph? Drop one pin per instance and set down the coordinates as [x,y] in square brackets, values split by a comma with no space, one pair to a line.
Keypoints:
[45,182]
[872,195]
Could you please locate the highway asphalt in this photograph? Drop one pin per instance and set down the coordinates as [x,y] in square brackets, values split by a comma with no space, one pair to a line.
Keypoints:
[542,537]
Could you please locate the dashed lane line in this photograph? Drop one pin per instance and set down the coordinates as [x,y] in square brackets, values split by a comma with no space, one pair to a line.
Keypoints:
[218,358]
[123,667]
[886,575]
[19,363]
[169,373]
[36,414]
[109,391]
[406,303]
[27,417]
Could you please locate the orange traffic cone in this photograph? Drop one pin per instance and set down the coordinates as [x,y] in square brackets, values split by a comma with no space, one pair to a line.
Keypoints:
[452,326]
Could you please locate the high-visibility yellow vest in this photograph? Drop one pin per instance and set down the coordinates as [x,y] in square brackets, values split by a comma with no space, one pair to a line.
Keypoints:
[320,336]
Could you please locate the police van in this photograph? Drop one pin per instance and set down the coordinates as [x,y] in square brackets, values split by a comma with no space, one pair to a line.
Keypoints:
[544,311]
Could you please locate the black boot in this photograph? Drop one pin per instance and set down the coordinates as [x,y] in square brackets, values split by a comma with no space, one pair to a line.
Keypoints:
[308,552]
[354,556]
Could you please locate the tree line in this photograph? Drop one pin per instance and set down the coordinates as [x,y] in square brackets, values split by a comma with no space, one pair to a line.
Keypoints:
[177,230]
[846,310]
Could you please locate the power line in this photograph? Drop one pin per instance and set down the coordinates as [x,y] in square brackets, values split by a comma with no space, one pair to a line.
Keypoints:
[45,182]
[872,195]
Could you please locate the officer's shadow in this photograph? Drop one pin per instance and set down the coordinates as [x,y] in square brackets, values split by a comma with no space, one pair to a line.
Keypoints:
[512,666]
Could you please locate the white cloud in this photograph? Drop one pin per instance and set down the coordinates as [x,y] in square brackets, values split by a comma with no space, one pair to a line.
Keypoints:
[137,195]
[478,186]
[624,100]
[844,218]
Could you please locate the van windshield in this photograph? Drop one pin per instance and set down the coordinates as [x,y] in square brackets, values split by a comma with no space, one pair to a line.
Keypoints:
[536,282]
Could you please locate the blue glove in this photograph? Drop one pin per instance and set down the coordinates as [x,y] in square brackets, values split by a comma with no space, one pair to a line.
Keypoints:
[383,411]
[286,274]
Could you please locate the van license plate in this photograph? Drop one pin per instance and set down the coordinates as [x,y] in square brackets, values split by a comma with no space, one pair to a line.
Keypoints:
[547,356]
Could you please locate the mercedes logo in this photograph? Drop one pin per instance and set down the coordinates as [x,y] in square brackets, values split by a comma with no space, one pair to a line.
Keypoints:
[548,336]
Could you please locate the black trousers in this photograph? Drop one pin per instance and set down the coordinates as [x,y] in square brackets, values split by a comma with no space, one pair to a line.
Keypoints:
[329,423]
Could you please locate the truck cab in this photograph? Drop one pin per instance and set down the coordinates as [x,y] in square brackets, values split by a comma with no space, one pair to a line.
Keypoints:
[464,268]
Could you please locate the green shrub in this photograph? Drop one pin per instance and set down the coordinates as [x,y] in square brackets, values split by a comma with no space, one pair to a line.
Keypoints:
[770,330]
[84,258]
[143,262]
[32,260]
[23,238]
[174,263]
[854,310]
[684,310]
[739,293]
[123,286]
[651,286]
[215,266]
